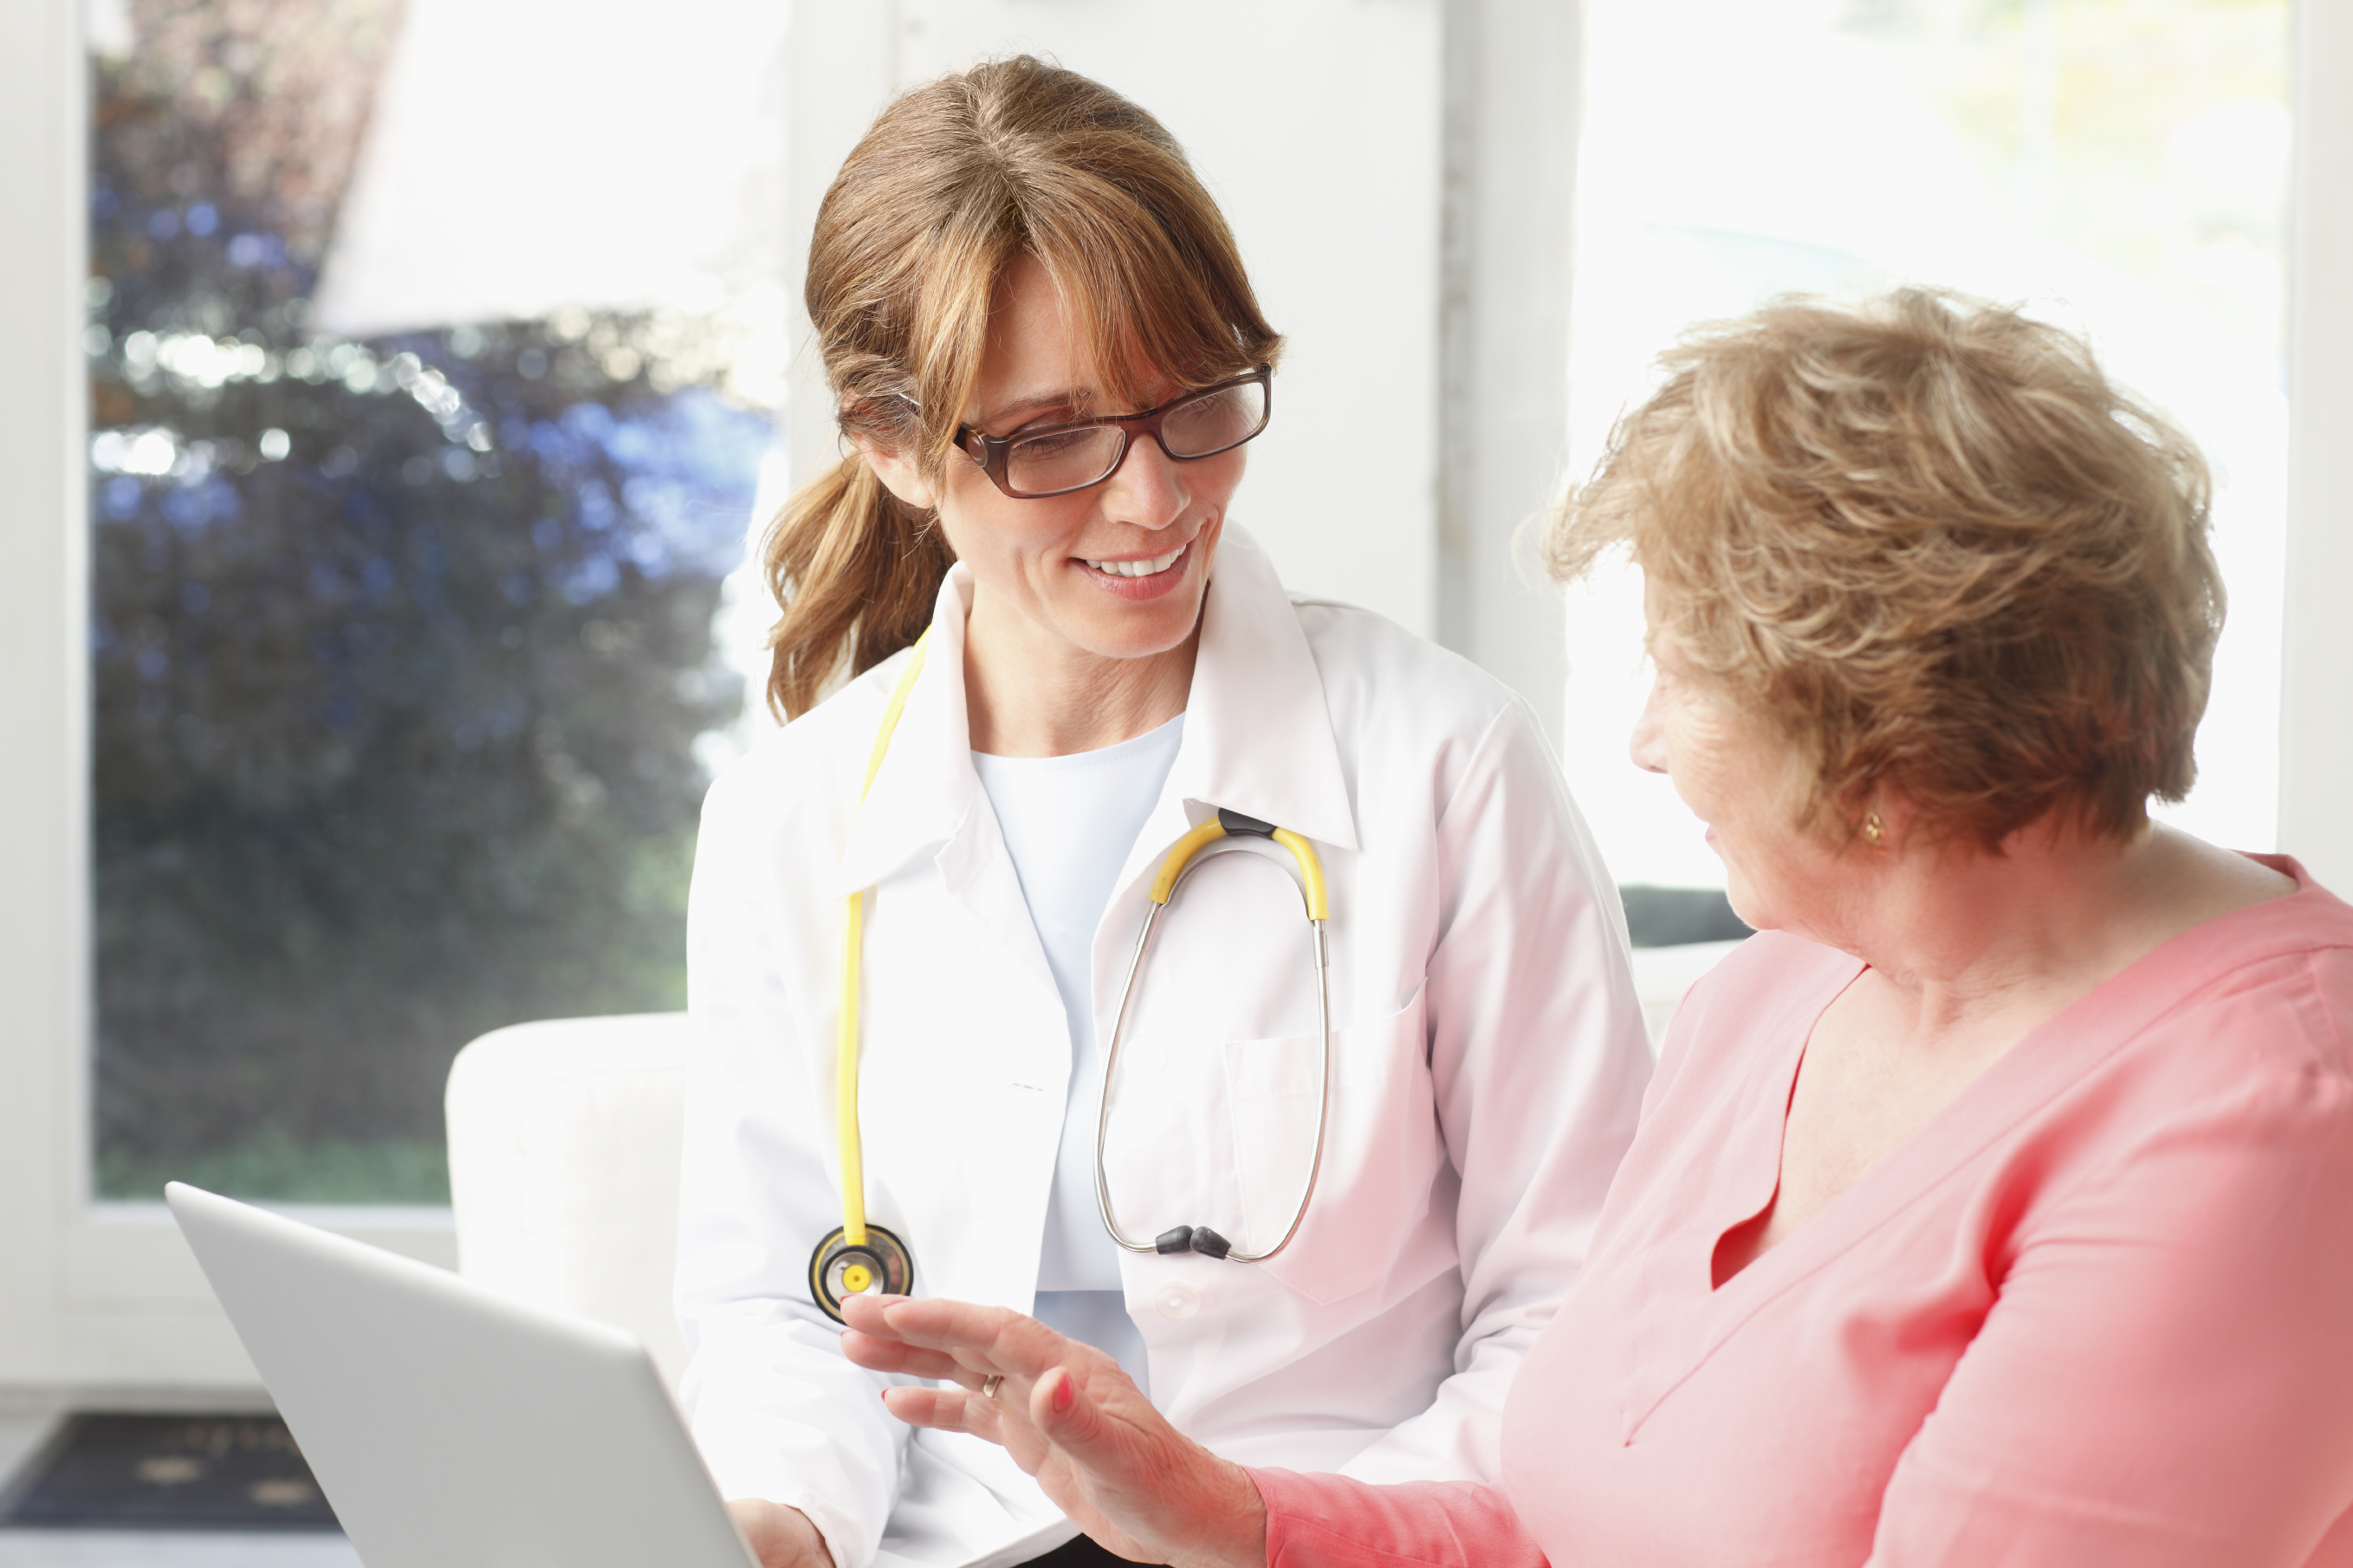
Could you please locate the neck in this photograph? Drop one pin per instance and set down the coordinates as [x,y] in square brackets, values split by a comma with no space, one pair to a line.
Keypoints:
[1961,936]
[1031,693]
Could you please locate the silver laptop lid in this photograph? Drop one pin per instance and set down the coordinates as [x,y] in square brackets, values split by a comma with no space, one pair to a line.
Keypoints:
[453,1428]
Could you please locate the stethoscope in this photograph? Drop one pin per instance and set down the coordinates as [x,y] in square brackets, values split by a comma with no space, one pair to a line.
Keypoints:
[860,1257]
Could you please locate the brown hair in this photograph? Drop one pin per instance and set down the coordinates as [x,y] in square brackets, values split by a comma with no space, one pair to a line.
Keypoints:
[955,180]
[1931,540]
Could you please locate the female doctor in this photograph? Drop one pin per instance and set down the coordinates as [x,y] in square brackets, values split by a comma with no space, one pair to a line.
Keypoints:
[1344,1169]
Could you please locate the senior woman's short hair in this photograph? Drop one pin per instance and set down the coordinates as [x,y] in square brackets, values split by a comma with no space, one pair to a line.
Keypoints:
[1933,543]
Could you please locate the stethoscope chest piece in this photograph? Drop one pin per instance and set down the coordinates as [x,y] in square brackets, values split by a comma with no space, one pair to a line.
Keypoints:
[881,1266]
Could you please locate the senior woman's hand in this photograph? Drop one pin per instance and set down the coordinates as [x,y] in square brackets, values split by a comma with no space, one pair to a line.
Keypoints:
[1071,1418]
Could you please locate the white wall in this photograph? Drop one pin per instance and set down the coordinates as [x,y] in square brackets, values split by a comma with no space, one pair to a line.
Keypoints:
[2316,674]
[1512,71]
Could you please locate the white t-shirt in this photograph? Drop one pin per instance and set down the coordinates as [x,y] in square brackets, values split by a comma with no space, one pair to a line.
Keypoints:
[1069,824]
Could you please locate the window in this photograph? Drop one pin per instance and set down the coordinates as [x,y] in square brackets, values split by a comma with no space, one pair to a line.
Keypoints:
[2119,165]
[403,587]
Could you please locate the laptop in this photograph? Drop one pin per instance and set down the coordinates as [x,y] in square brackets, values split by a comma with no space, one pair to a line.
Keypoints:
[451,1427]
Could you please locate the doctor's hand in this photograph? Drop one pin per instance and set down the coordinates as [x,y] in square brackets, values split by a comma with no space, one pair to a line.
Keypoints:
[1071,1418]
[781,1537]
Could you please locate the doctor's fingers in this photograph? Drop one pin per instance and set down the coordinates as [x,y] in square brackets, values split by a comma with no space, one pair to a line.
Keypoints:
[947,1410]
[891,1355]
[990,1339]
[875,1340]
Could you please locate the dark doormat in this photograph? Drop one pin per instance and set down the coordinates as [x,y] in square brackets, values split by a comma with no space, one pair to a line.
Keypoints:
[168,1472]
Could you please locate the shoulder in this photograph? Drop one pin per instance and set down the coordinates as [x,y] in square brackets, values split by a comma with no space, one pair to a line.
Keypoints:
[1367,660]
[815,764]
[2264,992]
[2210,1083]
[1423,729]
[1769,986]
[1770,965]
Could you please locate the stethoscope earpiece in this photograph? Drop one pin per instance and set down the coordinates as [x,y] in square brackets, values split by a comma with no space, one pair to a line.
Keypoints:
[1197,1239]
[881,1265]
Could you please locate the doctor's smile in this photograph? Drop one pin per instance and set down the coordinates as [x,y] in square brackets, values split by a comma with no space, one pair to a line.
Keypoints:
[1147,566]
[1141,581]
[1140,577]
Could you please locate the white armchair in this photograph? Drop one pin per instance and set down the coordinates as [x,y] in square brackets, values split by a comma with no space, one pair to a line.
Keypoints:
[564,1155]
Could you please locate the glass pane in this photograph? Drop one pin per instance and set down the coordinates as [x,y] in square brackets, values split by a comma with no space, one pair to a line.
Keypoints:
[401,641]
[2119,165]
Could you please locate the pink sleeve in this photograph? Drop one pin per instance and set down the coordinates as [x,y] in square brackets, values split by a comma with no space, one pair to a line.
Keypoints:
[1330,1522]
[2165,1377]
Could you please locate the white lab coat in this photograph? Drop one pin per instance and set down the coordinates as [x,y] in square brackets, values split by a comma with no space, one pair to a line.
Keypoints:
[1488,1059]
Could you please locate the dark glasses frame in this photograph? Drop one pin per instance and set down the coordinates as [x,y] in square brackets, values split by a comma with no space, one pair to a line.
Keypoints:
[994,453]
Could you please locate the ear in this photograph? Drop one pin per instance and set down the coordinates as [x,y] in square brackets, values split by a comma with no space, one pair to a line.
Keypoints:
[900,473]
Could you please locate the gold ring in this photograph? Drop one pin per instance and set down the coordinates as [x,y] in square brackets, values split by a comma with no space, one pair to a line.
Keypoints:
[988,1385]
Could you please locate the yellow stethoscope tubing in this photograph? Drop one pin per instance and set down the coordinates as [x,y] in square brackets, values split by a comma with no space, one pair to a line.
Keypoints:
[845,1050]
[1180,857]
[1175,867]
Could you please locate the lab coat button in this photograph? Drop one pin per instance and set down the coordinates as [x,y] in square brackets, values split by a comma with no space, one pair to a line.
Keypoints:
[1176,1301]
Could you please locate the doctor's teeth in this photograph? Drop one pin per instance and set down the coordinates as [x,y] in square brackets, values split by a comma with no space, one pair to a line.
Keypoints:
[1146,568]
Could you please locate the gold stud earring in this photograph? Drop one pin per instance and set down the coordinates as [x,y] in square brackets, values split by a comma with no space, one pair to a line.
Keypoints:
[1874,831]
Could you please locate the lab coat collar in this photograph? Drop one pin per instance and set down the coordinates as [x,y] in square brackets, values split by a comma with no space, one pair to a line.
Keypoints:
[927,787]
[1258,736]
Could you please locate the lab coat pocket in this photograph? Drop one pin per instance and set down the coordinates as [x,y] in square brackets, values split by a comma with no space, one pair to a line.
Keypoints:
[1380,1149]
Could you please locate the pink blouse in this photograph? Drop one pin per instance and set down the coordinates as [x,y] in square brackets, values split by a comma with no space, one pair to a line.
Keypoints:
[2099,1309]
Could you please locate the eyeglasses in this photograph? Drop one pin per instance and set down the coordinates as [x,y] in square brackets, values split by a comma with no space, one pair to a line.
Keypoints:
[1060,458]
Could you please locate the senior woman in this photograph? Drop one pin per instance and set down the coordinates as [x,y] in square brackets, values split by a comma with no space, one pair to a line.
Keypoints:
[1352,1166]
[1994,1203]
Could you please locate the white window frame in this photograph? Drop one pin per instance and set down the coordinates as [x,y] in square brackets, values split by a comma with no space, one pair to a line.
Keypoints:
[103,1296]
[2315,821]
[93,1295]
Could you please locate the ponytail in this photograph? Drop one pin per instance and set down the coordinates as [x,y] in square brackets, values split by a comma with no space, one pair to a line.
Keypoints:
[857,571]
[952,182]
